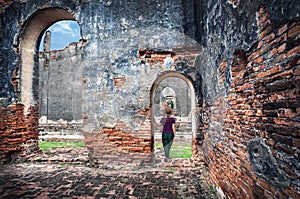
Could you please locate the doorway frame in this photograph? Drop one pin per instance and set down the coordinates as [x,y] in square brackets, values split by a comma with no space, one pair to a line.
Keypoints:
[192,97]
[30,36]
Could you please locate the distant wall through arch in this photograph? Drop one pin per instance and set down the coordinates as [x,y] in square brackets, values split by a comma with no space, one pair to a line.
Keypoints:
[192,97]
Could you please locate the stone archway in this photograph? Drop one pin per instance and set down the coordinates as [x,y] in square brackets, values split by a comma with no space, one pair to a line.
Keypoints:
[31,72]
[156,109]
[168,98]
[30,37]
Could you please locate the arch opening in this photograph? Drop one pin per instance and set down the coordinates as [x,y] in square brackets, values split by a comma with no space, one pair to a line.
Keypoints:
[35,72]
[31,36]
[174,90]
[63,33]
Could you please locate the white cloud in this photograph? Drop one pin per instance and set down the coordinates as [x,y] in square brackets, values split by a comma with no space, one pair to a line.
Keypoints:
[62,27]
[63,33]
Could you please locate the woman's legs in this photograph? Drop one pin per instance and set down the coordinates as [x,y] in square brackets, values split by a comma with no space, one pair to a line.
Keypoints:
[167,149]
[167,139]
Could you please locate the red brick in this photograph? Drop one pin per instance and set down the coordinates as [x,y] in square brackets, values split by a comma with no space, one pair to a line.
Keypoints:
[261,11]
[119,81]
[275,69]
[281,48]
[278,40]
[260,43]
[273,52]
[258,60]
[242,155]
[291,192]
[259,67]
[269,38]
[282,121]
[263,74]
[282,29]
[294,51]
[294,30]
[263,18]
[265,32]
[253,55]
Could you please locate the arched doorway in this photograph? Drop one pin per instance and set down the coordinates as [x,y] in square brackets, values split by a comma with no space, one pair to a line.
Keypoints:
[31,35]
[30,65]
[60,83]
[174,90]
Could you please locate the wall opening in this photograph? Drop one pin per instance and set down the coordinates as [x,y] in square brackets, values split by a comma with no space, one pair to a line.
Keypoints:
[63,33]
[31,36]
[33,69]
[60,83]
[175,91]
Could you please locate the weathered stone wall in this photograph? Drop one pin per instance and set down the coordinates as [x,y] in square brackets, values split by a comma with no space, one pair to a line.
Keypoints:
[119,81]
[116,55]
[60,84]
[245,76]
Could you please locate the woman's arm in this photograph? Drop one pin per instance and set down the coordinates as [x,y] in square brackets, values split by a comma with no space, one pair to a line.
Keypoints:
[174,128]
[157,125]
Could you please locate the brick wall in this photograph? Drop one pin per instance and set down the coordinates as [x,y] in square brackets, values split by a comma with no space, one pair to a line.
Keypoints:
[19,133]
[120,146]
[252,134]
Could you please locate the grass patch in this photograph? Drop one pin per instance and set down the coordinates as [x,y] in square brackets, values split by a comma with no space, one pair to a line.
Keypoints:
[158,145]
[44,146]
[178,150]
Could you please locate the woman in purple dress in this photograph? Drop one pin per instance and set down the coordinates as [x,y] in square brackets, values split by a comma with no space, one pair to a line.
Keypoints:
[168,132]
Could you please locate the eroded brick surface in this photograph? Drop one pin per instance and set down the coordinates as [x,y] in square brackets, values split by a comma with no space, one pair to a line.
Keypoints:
[19,134]
[258,122]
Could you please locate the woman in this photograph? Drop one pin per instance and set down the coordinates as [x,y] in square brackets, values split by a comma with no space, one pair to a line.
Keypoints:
[168,132]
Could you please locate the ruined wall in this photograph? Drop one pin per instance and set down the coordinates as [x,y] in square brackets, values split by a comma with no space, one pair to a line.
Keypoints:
[19,133]
[246,81]
[251,127]
[119,80]
[60,84]
[116,81]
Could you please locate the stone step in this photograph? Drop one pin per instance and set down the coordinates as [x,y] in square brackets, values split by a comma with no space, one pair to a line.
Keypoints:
[60,135]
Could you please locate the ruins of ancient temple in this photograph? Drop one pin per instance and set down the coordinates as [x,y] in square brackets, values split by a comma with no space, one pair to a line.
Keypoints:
[229,70]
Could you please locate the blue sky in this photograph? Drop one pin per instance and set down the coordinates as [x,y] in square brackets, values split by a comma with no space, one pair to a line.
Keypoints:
[62,34]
